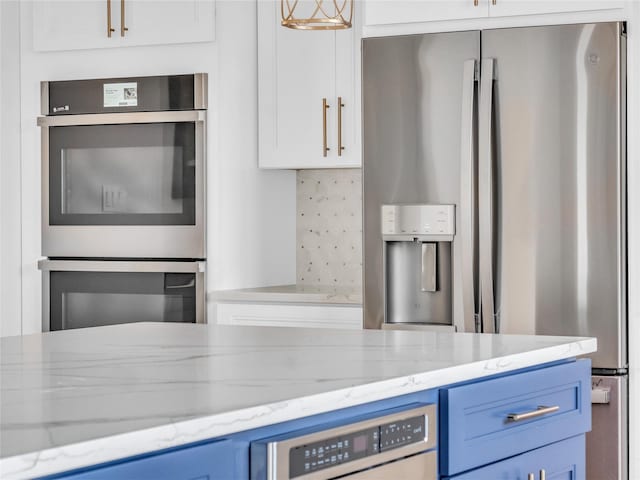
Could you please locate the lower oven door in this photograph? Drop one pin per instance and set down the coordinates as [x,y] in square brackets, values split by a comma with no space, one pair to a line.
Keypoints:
[78,293]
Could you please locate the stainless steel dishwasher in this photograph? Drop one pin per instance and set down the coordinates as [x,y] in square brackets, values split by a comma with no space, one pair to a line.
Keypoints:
[399,445]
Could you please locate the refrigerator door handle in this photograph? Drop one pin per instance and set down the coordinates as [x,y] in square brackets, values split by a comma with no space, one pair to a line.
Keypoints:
[467,198]
[485,195]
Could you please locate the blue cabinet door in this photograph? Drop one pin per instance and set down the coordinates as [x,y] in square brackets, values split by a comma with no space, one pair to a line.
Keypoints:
[563,460]
[211,461]
[476,428]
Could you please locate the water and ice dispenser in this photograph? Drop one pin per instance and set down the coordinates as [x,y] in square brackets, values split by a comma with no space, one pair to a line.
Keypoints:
[418,266]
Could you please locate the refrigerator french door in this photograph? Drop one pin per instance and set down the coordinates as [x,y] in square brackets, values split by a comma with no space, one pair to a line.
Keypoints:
[524,131]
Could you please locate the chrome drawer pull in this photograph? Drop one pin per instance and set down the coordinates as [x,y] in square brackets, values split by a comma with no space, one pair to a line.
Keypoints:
[540,411]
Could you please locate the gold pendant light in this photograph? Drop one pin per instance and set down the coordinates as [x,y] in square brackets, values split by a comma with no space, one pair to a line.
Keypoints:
[317,14]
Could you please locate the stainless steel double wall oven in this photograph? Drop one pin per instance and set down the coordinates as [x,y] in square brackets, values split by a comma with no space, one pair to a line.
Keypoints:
[123,200]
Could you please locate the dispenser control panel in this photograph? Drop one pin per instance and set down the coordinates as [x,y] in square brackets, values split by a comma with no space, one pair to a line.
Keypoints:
[418,220]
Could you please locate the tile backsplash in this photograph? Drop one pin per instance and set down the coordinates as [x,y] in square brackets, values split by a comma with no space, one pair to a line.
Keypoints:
[329,227]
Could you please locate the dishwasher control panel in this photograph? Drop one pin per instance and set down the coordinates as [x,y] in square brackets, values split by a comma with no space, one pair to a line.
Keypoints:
[329,452]
[387,442]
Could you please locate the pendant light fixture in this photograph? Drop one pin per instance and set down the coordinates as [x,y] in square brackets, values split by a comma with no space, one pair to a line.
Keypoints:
[317,14]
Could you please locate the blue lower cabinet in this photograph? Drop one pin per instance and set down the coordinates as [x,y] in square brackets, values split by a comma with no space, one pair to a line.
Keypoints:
[563,460]
[210,461]
[487,421]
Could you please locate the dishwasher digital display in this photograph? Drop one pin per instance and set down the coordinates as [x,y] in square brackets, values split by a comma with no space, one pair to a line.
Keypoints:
[332,451]
[360,443]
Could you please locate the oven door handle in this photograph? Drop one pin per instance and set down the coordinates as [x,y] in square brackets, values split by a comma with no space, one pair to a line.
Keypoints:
[120,266]
[120,118]
[190,284]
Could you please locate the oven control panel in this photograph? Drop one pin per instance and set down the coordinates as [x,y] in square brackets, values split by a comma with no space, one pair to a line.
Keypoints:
[340,449]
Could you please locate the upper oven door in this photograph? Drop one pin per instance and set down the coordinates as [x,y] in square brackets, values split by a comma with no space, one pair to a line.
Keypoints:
[124,185]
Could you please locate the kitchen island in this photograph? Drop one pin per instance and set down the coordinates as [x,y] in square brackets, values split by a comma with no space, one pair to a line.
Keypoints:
[78,398]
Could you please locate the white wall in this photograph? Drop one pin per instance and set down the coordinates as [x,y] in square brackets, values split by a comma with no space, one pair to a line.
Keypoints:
[251,213]
[10,256]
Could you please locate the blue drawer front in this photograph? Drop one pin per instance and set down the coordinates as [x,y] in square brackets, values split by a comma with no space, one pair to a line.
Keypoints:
[564,460]
[211,461]
[475,429]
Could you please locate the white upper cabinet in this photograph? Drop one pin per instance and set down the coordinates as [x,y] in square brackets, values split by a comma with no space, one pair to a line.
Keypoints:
[500,8]
[302,75]
[388,12]
[75,25]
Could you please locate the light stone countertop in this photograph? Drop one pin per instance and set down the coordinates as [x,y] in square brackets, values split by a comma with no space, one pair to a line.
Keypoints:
[82,397]
[293,294]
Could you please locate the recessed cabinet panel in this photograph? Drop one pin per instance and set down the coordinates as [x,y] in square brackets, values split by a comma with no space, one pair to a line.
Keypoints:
[78,25]
[531,7]
[389,12]
[298,71]
[73,25]
[305,72]
[283,315]
[497,418]
[392,12]
[348,89]
[564,460]
[214,460]
[167,22]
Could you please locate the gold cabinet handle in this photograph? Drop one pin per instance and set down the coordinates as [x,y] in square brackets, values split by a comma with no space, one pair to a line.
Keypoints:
[123,28]
[475,3]
[340,146]
[494,2]
[543,475]
[109,29]
[539,412]
[325,107]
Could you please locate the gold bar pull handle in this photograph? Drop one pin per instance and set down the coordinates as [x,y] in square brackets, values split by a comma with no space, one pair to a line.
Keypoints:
[476,2]
[494,2]
[340,146]
[110,30]
[538,412]
[123,28]
[543,475]
[325,107]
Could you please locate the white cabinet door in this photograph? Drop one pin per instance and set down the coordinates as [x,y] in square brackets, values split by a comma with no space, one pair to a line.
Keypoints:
[167,22]
[500,8]
[285,315]
[297,72]
[73,25]
[347,134]
[77,25]
[389,12]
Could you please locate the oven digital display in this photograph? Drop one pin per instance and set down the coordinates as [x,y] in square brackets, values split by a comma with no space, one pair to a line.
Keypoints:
[120,94]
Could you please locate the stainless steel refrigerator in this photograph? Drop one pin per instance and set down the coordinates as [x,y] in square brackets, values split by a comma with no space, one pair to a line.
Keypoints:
[523,130]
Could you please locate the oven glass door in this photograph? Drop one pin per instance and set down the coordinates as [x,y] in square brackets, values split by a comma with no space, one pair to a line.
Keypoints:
[90,299]
[123,174]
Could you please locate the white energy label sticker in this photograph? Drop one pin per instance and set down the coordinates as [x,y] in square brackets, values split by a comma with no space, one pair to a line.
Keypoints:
[121,94]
